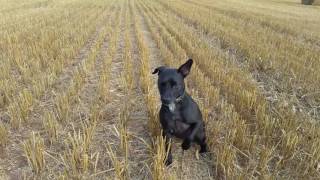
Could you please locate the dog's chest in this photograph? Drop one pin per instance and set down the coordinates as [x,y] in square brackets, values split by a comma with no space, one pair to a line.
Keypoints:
[177,116]
[179,125]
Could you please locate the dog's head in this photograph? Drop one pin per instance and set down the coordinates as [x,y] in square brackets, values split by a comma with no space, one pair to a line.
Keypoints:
[171,82]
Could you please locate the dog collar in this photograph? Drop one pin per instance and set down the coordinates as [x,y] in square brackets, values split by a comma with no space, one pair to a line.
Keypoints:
[179,99]
[172,106]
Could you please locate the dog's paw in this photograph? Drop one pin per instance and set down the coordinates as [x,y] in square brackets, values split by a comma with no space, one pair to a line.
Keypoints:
[168,161]
[186,144]
[203,149]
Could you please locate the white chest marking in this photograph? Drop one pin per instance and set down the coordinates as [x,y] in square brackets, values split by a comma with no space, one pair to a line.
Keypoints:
[172,107]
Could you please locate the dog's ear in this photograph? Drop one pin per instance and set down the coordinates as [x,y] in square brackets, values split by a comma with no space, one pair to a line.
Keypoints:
[184,69]
[158,70]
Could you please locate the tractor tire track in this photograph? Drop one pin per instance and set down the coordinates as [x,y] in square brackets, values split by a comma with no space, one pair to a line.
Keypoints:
[192,168]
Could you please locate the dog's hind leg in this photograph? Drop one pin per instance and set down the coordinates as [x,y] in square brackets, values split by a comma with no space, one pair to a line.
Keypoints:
[201,140]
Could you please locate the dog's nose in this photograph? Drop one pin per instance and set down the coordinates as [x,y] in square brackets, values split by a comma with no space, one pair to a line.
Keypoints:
[165,101]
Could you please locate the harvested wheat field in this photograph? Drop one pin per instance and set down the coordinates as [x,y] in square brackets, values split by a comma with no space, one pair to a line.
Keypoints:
[78,100]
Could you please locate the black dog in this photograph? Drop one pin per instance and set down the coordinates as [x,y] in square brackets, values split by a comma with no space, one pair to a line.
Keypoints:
[180,116]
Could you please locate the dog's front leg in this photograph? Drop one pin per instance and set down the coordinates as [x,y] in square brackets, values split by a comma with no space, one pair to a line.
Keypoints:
[194,127]
[167,137]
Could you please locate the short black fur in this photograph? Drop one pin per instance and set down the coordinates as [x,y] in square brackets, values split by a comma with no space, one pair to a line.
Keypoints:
[179,115]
